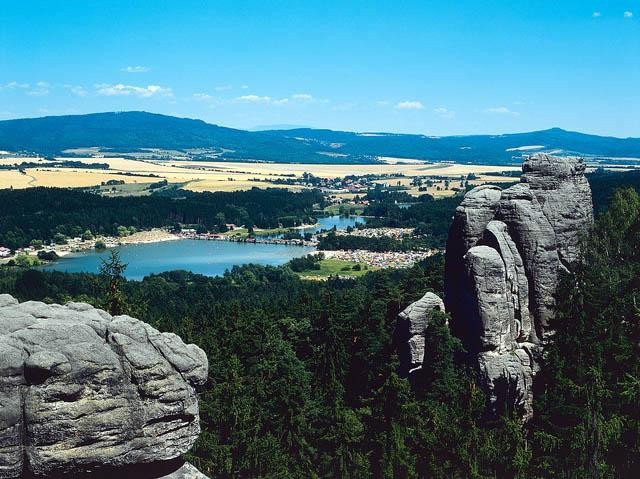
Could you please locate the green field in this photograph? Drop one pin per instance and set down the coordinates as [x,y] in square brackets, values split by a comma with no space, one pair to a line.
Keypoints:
[336,267]
[352,209]
[244,233]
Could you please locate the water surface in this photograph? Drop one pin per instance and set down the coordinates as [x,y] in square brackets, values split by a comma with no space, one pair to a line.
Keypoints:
[211,258]
[340,222]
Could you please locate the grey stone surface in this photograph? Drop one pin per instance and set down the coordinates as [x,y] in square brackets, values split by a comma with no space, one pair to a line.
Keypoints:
[471,218]
[187,471]
[508,376]
[535,239]
[565,196]
[81,391]
[413,323]
[497,236]
[505,251]
[493,316]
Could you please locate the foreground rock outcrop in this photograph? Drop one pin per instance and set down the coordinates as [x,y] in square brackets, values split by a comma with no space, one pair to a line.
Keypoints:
[505,252]
[85,393]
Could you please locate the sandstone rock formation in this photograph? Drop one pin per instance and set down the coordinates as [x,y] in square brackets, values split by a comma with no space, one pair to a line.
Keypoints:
[565,197]
[82,392]
[505,251]
[472,216]
[413,323]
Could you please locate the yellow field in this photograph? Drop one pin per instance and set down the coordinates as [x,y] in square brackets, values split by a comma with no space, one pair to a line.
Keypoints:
[13,179]
[66,177]
[223,176]
[222,184]
[336,171]
[454,182]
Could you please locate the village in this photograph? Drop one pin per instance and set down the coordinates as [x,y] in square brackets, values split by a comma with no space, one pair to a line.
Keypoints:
[389,259]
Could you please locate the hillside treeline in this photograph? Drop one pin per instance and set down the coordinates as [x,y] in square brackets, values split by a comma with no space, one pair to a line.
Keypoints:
[41,213]
[430,217]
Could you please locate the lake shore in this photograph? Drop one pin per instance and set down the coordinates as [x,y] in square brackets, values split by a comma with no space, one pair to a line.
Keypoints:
[78,245]
[155,235]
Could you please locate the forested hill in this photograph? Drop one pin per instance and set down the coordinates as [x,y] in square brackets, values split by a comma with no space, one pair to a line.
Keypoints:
[494,149]
[128,131]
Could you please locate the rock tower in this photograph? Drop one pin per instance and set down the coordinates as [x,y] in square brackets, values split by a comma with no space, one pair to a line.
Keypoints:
[505,251]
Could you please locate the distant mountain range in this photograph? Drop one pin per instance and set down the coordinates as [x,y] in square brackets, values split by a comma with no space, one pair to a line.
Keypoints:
[131,131]
[283,126]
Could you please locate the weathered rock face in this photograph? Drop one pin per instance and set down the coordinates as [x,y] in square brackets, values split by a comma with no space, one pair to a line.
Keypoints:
[82,392]
[413,322]
[535,239]
[496,236]
[565,196]
[491,316]
[472,216]
[505,251]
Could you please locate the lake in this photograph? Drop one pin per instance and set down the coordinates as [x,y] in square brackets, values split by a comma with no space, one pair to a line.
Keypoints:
[340,222]
[327,223]
[211,258]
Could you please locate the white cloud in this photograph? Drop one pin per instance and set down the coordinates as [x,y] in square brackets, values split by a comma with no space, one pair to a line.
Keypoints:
[254,99]
[307,98]
[41,89]
[14,84]
[501,110]
[130,90]
[202,96]
[223,88]
[244,87]
[77,90]
[596,15]
[628,14]
[135,69]
[410,105]
[383,103]
[265,100]
[444,112]
[297,98]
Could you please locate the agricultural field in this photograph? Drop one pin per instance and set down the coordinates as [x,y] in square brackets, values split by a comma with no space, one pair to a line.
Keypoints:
[223,176]
[337,171]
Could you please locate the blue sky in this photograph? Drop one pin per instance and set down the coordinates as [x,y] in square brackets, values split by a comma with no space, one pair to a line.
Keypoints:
[432,67]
